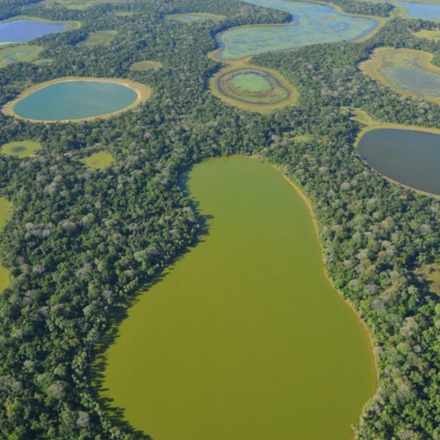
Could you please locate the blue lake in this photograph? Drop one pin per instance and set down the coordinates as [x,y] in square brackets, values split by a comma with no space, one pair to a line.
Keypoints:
[422,11]
[19,31]
[72,100]
[312,24]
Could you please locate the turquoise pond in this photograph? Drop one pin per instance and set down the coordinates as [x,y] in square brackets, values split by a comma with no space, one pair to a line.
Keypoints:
[312,24]
[422,11]
[75,100]
[19,31]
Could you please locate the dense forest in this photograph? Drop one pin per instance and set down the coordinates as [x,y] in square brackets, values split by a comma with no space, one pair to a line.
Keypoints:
[81,242]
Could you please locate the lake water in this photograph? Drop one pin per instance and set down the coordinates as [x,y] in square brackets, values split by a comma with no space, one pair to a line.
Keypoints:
[409,157]
[244,338]
[75,100]
[312,24]
[19,31]
[422,11]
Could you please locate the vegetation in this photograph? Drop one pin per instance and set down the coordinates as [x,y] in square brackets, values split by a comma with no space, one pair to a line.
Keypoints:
[5,212]
[16,54]
[20,148]
[253,89]
[81,243]
[99,160]
[144,66]
[199,16]
[430,34]
[99,37]
[403,70]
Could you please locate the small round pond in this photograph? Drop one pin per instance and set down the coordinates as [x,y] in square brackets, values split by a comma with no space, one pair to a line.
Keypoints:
[409,157]
[21,30]
[76,99]
[253,89]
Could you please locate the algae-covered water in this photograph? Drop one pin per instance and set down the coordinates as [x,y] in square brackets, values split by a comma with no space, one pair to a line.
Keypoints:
[312,24]
[244,337]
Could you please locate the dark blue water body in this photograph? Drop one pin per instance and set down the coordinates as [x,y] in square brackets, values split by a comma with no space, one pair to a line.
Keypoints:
[19,31]
[406,156]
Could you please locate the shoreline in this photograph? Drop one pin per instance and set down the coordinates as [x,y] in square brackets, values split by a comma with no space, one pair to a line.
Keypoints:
[143,93]
[262,108]
[310,208]
[364,118]
[371,67]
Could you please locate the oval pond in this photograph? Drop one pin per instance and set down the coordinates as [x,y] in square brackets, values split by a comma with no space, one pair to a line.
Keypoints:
[244,338]
[406,156]
[75,100]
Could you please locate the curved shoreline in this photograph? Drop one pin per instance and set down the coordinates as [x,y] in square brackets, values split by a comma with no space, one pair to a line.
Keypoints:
[310,208]
[372,66]
[380,22]
[364,118]
[143,93]
[263,108]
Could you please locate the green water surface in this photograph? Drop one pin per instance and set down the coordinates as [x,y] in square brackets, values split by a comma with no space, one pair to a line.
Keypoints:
[251,82]
[403,71]
[244,338]
[75,100]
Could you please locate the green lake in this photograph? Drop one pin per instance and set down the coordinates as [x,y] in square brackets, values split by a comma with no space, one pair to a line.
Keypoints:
[312,23]
[406,156]
[71,100]
[244,337]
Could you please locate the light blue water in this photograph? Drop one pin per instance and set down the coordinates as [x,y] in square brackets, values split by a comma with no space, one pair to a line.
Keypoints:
[312,24]
[422,11]
[75,100]
[19,31]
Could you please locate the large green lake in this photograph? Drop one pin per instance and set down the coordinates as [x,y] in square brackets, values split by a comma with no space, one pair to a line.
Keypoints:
[71,100]
[406,156]
[244,338]
[313,23]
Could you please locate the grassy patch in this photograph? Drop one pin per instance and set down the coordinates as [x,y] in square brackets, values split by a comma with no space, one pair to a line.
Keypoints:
[20,148]
[76,4]
[143,66]
[431,273]
[433,35]
[406,71]
[252,88]
[303,138]
[5,214]
[99,160]
[196,16]
[19,53]
[99,38]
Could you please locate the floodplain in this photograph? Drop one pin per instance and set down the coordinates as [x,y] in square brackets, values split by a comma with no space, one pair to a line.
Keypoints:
[313,23]
[16,54]
[253,88]
[20,148]
[407,71]
[244,337]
